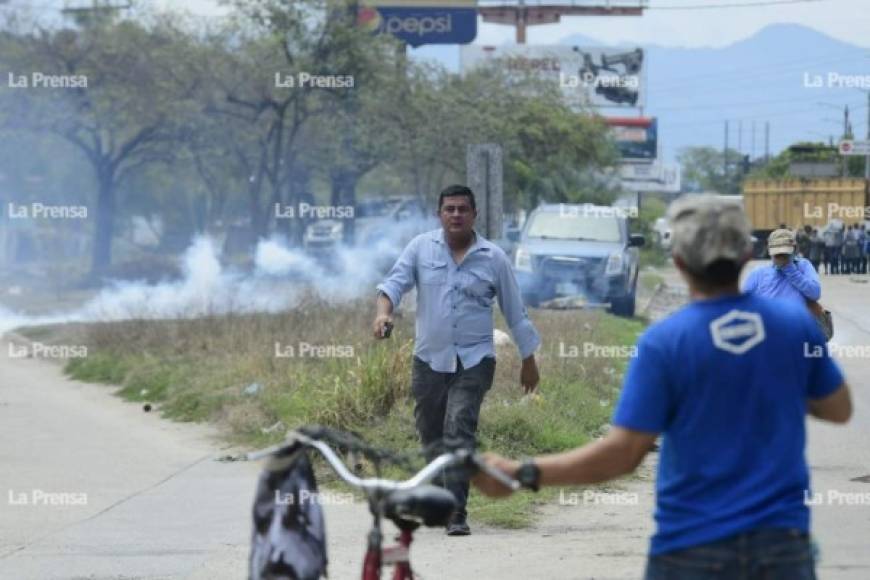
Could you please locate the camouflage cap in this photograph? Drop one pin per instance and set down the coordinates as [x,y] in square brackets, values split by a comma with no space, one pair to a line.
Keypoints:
[705,228]
[780,242]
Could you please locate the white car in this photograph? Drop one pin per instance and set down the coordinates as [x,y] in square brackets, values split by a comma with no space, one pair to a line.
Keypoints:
[662,233]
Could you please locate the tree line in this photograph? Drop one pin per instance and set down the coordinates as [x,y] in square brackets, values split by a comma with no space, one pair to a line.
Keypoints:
[207,124]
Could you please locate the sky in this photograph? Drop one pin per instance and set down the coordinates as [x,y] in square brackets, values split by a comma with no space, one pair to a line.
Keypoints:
[847,20]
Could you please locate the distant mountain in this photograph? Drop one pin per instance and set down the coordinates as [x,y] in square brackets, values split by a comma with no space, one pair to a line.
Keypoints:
[770,76]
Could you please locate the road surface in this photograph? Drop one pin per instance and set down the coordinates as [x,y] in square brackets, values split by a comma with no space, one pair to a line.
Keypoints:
[145,499]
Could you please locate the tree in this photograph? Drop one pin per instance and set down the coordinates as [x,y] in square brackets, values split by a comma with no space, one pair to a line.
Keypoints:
[126,90]
[704,170]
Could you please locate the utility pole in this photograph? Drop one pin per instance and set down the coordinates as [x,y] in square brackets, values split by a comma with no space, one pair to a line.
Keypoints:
[740,137]
[725,154]
[766,141]
[846,132]
[867,157]
[752,149]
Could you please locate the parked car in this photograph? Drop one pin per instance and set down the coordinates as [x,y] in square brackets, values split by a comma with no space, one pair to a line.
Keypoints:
[374,219]
[586,250]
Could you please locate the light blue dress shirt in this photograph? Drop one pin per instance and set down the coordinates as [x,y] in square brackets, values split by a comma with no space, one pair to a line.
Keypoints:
[454,301]
[798,282]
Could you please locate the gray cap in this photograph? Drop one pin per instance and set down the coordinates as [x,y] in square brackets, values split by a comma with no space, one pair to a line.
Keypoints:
[780,242]
[705,228]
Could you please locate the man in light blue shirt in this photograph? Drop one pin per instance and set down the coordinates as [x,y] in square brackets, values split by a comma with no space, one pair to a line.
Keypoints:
[458,275]
[789,277]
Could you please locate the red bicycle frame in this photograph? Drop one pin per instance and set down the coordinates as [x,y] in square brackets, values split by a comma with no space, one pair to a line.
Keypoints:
[399,556]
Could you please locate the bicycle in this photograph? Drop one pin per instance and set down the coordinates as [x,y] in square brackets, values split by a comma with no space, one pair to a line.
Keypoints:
[408,504]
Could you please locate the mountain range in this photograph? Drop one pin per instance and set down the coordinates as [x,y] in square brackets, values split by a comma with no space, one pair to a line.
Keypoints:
[790,76]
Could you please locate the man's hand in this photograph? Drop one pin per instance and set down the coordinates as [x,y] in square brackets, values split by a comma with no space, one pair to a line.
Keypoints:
[382,321]
[492,487]
[781,260]
[529,376]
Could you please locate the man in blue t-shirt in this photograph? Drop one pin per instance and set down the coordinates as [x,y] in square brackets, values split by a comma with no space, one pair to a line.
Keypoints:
[727,381]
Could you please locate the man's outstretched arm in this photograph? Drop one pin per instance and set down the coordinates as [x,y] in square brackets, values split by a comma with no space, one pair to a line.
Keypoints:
[617,454]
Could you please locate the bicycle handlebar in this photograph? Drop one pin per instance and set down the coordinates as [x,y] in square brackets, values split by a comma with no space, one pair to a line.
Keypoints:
[425,475]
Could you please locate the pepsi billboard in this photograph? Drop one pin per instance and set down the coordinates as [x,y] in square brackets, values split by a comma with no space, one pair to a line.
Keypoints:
[419,25]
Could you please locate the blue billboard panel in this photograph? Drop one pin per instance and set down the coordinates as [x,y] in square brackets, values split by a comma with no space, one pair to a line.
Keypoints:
[424,25]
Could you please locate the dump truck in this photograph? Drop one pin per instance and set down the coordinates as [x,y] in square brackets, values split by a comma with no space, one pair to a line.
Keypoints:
[796,202]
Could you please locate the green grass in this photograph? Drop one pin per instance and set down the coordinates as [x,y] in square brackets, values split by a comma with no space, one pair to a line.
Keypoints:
[197,370]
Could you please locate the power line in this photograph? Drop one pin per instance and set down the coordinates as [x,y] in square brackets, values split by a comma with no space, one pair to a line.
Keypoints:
[740,104]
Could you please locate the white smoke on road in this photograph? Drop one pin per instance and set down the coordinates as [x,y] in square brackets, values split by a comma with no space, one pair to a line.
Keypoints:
[282,276]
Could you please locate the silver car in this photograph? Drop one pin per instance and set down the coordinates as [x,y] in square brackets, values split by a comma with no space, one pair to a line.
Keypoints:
[579,250]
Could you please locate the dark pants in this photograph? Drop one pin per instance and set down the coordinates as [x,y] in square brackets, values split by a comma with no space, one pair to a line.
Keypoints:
[834,259]
[446,410]
[756,555]
[815,264]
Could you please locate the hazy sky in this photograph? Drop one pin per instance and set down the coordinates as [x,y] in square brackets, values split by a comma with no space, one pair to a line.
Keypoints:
[847,20]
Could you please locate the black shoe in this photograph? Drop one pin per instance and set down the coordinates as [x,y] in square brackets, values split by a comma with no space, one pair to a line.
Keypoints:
[458,526]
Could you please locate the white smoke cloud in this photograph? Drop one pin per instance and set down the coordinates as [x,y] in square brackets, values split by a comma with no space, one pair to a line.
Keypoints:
[281,277]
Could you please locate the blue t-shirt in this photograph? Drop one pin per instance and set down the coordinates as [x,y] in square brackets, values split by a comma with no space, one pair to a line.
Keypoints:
[726,381]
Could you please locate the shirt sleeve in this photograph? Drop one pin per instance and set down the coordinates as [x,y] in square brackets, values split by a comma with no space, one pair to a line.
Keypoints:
[646,401]
[803,276]
[510,301]
[751,282]
[402,276]
[825,375]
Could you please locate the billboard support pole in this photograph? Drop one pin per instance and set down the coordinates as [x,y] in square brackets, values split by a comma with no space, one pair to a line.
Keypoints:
[485,177]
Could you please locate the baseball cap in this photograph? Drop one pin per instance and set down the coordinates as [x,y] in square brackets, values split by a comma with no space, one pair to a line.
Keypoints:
[706,229]
[780,242]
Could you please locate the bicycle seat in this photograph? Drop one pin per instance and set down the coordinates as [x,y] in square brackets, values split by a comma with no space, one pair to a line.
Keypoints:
[428,505]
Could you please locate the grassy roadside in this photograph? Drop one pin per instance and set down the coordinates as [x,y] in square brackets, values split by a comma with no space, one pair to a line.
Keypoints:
[236,371]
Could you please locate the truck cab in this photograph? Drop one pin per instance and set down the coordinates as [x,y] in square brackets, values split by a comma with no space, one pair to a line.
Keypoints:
[579,250]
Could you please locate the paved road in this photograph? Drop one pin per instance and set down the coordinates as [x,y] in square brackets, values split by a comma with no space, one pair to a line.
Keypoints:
[159,507]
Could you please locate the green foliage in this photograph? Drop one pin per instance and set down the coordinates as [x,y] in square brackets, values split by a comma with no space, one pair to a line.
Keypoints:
[187,124]
[704,170]
[368,393]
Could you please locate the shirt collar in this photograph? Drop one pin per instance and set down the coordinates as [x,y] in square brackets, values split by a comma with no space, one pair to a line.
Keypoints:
[479,244]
